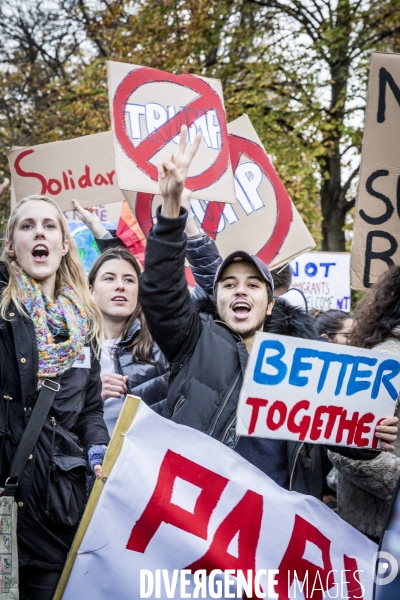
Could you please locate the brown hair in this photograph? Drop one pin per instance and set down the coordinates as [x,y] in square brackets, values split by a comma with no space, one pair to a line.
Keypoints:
[142,343]
[70,272]
[378,311]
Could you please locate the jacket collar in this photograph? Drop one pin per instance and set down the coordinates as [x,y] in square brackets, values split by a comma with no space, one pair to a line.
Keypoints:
[132,332]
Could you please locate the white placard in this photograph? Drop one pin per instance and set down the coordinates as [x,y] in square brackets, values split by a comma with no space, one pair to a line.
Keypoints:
[179,500]
[310,391]
[324,279]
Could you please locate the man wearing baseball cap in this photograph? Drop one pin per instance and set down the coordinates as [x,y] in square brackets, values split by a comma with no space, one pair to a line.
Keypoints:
[208,351]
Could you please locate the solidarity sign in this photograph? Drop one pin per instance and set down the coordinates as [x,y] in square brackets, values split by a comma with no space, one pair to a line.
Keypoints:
[148,108]
[264,218]
[310,391]
[82,168]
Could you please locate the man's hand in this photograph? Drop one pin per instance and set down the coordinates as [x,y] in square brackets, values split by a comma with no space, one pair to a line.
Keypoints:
[173,171]
[91,220]
[387,432]
[113,385]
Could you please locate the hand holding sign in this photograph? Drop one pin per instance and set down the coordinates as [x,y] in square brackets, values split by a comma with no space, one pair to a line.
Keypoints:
[173,171]
[387,432]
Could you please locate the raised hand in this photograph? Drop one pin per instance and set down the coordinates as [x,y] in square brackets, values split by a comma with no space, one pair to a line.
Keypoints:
[91,220]
[173,171]
[4,185]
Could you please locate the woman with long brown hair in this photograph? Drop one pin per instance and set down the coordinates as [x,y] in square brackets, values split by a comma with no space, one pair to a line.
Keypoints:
[366,488]
[130,361]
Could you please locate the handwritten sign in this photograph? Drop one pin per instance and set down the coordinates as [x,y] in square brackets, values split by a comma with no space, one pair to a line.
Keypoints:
[264,221]
[148,108]
[202,510]
[317,392]
[82,168]
[377,224]
[324,279]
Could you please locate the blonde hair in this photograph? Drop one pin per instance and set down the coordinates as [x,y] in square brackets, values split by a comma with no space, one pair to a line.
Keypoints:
[69,272]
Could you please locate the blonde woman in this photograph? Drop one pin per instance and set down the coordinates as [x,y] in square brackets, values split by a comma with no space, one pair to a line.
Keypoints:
[46,314]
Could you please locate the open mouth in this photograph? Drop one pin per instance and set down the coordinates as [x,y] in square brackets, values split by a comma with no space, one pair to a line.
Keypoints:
[40,253]
[241,308]
[119,299]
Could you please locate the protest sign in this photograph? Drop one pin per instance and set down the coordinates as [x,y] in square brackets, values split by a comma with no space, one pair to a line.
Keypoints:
[310,391]
[180,512]
[264,221]
[377,226]
[148,108]
[82,168]
[324,279]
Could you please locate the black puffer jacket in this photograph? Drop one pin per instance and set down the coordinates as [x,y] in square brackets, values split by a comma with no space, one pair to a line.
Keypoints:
[51,493]
[208,359]
[146,380]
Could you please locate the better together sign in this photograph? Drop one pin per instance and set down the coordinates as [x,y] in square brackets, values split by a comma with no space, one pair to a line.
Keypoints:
[310,391]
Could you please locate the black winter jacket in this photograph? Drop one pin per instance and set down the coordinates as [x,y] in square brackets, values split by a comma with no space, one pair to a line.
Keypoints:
[208,359]
[146,380]
[51,493]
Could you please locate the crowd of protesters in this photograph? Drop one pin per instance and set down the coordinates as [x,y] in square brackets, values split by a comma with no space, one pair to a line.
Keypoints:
[184,354]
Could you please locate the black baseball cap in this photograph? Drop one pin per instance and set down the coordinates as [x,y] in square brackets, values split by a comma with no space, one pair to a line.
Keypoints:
[240,255]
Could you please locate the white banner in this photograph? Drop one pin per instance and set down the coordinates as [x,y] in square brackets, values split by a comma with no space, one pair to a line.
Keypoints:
[310,391]
[178,501]
[324,279]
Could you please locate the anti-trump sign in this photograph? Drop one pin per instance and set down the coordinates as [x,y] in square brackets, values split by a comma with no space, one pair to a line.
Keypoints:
[264,220]
[310,391]
[182,516]
[81,168]
[148,108]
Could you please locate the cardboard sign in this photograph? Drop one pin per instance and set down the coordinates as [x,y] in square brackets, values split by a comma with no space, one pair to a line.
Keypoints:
[148,108]
[377,225]
[82,168]
[310,391]
[324,279]
[205,523]
[264,221]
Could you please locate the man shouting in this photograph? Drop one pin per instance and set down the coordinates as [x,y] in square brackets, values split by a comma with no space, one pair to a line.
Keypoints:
[208,351]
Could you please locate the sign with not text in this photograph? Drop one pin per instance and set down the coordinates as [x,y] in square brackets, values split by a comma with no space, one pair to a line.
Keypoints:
[82,168]
[205,523]
[377,220]
[310,391]
[264,220]
[148,108]
[324,279]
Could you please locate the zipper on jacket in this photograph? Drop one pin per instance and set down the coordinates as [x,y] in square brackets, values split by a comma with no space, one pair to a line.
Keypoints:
[227,429]
[178,403]
[227,397]
[294,465]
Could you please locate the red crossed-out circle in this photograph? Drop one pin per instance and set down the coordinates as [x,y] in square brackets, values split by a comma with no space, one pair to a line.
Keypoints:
[206,100]
[237,147]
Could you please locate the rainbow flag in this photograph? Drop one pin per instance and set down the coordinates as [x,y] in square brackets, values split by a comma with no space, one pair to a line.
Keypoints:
[130,233]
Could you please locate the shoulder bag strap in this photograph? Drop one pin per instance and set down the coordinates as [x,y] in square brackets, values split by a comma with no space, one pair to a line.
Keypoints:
[32,432]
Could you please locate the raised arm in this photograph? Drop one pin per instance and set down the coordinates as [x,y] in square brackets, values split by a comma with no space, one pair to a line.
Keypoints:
[171,316]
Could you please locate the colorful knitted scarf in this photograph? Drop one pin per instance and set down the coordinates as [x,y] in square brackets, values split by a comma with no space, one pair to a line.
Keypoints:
[65,315]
